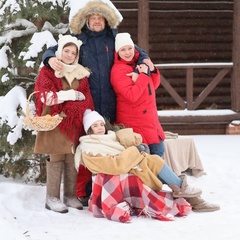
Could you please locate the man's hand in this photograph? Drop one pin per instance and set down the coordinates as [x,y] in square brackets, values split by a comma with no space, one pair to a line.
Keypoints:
[55,64]
[149,63]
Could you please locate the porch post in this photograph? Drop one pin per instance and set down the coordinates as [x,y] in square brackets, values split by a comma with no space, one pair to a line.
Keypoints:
[143,24]
[235,84]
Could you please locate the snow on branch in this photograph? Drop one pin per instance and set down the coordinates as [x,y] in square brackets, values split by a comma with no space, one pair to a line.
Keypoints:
[3,57]
[9,105]
[30,28]
[60,28]
[38,41]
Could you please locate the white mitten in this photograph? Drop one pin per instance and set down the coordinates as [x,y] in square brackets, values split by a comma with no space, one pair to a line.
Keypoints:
[70,95]
[62,96]
[80,96]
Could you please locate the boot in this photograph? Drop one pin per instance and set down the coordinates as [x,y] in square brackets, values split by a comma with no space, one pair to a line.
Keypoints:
[185,191]
[54,175]
[70,179]
[83,201]
[200,205]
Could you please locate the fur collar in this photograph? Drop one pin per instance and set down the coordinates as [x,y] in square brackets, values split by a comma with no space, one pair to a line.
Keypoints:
[96,7]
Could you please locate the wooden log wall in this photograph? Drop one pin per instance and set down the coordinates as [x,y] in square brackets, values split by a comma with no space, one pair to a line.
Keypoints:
[183,32]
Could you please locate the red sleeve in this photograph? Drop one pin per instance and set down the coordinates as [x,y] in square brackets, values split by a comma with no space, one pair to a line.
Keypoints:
[123,84]
[156,79]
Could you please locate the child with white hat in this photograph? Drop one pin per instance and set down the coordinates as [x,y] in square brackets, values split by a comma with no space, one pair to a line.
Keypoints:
[96,149]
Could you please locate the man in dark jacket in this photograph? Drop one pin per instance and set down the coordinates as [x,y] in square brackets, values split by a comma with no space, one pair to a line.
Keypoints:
[95,25]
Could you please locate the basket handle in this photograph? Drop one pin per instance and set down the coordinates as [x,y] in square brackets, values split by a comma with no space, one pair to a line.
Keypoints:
[28,100]
[29,97]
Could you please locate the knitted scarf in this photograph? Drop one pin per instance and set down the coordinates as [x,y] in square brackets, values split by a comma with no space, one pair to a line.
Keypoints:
[71,72]
[103,144]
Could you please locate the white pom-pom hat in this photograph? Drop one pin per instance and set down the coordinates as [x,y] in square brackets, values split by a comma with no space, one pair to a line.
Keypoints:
[91,117]
[63,40]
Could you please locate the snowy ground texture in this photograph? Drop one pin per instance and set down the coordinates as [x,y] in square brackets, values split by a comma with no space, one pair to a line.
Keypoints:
[23,216]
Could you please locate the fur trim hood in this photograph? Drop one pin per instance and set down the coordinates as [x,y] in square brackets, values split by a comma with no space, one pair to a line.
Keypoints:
[95,7]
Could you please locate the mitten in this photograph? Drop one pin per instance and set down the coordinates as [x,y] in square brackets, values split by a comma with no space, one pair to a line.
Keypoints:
[69,95]
[80,96]
[143,148]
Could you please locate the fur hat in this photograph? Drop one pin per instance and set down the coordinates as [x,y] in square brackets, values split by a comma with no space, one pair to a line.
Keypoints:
[123,39]
[63,40]
[91,117]
[94,7]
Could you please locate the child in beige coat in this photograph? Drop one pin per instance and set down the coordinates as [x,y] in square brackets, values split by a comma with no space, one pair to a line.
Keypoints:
[122,152]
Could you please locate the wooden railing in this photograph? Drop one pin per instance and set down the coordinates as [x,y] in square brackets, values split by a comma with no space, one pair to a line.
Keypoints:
[190,103]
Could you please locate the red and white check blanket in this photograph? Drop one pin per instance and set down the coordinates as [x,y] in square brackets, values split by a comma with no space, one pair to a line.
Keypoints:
[120,197]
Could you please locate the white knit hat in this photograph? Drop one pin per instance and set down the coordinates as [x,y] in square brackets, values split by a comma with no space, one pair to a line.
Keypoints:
[91,117]
[63,40]
[123,39]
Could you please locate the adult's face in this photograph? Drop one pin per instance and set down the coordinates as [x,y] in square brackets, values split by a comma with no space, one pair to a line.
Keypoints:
[96,23]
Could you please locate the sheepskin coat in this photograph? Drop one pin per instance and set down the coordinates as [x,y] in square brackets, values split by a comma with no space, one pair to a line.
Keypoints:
[116,153]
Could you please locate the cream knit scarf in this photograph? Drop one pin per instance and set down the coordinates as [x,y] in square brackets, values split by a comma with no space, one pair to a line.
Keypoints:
[98,144]
[71,72]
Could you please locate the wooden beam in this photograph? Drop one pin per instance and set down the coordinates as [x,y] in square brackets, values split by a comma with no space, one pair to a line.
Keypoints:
[221,74]
[143,24]
[189,88]
[235,84]
[172,92]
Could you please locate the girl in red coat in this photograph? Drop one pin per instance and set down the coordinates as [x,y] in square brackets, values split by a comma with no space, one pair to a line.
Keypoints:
[67,92]
[136,100]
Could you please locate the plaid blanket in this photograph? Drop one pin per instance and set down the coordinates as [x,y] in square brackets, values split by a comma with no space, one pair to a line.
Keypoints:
[120,197]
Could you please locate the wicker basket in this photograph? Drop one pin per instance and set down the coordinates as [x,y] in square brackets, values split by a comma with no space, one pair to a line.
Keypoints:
[42,123]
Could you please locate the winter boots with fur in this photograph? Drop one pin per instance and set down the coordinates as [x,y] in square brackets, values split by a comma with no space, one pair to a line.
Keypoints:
[69,187]
[200,205]
[185,191]
[54,176]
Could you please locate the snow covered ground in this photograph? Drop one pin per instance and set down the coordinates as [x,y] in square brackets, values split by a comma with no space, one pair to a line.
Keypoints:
[23,216]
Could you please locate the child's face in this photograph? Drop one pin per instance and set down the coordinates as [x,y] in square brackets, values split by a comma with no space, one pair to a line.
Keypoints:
[126,52]
[98,127]
[69,54]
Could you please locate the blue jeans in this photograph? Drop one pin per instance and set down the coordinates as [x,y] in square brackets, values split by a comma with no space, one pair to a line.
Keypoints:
[167,176]
[157,148]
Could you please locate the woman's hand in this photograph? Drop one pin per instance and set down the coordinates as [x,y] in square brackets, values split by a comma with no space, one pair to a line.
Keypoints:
[133,75]
[142,68]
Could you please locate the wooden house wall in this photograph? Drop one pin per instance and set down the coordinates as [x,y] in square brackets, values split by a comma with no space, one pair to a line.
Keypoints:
[186,32]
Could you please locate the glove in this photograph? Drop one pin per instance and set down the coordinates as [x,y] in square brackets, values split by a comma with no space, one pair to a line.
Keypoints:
[70,95]
[143,148]
[80,96]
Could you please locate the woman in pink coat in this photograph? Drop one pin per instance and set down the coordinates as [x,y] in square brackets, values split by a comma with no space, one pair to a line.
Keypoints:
[136,98]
